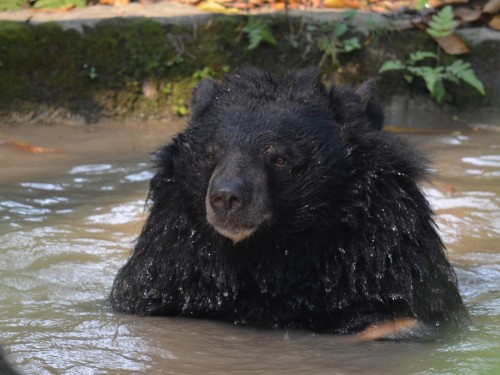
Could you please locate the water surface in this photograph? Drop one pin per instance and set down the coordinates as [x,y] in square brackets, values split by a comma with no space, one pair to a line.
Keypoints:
[68,221]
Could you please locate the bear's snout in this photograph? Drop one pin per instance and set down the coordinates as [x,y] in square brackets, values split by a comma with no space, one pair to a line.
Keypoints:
[236,200]
[228,195]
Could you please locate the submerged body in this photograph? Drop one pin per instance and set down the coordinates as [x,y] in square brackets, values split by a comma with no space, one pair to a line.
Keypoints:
[283,205]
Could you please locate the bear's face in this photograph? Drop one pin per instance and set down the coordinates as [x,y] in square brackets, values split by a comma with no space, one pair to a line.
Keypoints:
[248,162]
[263,160]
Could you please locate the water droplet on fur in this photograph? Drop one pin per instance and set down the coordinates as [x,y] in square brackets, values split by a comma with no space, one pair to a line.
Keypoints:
[147,294]
[225,294]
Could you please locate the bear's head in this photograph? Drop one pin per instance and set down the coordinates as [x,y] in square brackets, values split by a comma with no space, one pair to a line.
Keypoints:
[261,151]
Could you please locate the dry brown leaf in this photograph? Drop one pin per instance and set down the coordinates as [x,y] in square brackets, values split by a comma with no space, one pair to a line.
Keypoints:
[214,7]
[450,189]
[386,328]
[241,5]
[495,22]
[333,4]
[62,9]
[32,149]
[114,2]
[452,44]
[467,15]
[492,7]
[280,5]
[354,4]
[441,3]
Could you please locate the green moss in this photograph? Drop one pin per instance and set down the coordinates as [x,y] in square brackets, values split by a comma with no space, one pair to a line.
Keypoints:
[12,4]
[101,71]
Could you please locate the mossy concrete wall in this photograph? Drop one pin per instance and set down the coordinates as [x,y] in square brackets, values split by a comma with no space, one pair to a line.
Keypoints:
[146,68]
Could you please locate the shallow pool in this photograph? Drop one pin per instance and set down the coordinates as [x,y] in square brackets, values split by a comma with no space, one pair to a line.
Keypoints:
[68,221]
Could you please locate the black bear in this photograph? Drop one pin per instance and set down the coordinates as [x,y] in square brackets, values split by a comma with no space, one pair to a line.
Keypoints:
[283,205]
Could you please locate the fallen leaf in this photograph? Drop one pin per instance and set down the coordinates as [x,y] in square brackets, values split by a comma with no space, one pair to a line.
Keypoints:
[467,15]
[214,7]
[495,22]
[452,44]
[492,7]
[114,2]
[450,189]
[333,4]
[441,3]
[32,149]
[65,8]
[485,127]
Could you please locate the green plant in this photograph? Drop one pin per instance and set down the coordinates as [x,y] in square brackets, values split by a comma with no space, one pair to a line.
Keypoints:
[180,108]
[175,61]
[168,88]
[442,23]
[257,32]
[206,72]
[434,77]
[421,4]
[12,4]
[334,43]
[92,74]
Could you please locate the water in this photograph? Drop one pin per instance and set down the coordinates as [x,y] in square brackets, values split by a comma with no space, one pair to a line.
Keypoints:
[68,221]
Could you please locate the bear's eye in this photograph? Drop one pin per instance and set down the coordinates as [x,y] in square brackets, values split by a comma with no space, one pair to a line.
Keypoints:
[210,159]
[280,161]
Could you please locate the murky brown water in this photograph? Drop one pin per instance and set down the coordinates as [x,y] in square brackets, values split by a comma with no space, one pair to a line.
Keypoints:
[68,221]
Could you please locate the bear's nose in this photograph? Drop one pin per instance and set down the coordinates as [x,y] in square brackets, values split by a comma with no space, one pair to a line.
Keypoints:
[227,195]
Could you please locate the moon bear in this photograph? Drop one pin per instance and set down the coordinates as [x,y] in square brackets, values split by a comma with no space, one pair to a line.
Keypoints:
[283,205]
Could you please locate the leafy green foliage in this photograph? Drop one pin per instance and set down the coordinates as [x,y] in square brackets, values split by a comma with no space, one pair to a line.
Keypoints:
[442,24]
[12,4]
[257,32]
[434,77]
[39,4]
[392,65]
[334,42]
[180,107]
[421,55]
[206,72]
[421,4]
[168,88]
[351,44]
[463,70]
[92,73]
[349,14]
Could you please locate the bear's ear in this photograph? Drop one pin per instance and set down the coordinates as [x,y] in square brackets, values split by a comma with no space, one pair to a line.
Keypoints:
[164,157]
[202,97]
[305,84]
[367,92]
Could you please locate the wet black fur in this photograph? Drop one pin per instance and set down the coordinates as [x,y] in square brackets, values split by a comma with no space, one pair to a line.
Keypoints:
[351,242]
